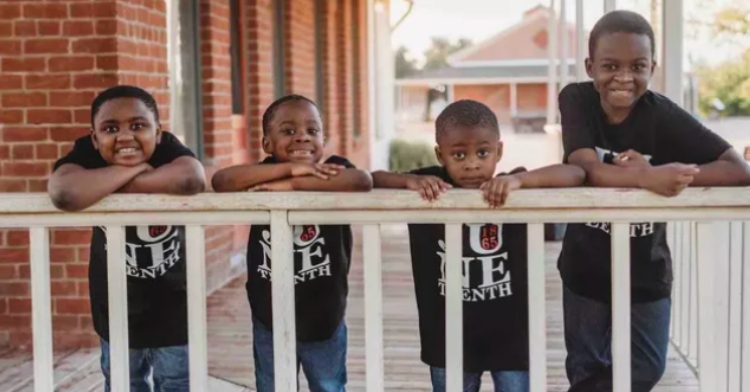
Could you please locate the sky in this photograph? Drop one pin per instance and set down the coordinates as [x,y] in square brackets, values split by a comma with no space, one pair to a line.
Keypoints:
[480,19]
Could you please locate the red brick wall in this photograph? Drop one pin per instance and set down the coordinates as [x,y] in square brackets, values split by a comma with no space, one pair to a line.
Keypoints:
[532,97]
[359,153]
[54,58]
[299,34]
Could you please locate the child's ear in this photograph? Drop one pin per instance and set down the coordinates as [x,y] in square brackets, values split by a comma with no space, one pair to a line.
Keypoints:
[439,156]
[267,148]
[94,141]
[589,67]
[653,67]
[499,150]
[158,134]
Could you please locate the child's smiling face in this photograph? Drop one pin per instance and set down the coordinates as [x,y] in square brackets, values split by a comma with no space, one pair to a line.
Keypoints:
[621,66]
[295,133]
[125,132]
[469,153]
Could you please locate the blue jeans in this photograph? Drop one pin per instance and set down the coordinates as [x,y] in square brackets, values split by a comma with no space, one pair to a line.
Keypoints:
[324,363]
[505,381]
[169,367]
[588,339]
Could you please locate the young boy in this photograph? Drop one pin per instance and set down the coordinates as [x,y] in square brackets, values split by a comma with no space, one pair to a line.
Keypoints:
[624,135]
[293,136]
[128,152]
[495,275]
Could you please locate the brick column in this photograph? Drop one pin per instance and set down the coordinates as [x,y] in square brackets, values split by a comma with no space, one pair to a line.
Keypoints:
[54,58]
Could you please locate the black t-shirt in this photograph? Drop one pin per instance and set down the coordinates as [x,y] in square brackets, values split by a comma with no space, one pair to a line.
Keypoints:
[663,133]
[155,255]
[322,257]
[495,291]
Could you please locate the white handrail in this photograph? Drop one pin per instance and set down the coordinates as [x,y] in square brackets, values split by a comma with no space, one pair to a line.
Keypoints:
[283,210]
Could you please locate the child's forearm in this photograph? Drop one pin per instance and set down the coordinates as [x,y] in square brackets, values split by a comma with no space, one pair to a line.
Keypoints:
[384,179]
[348,180]
[73,188]
[554,176]
[183,176]
[243,177]
[728,170]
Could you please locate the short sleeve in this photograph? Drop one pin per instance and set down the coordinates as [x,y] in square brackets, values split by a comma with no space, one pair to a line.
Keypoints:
[83,154]
[339,160]
[576,132]
[688,140]
[429,171]
[169,149]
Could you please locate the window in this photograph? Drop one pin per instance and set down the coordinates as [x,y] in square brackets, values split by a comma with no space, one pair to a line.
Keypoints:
[235,51]
[356,65]
[185,82]
[319,43]
[279,58]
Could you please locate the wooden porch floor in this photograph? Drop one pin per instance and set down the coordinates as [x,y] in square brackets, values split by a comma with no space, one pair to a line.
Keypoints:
[230,338]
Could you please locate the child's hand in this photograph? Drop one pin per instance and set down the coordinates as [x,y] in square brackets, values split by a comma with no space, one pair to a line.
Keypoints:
[132,186]
[320,170]
[497,189]
[429,187]
[631,158]
[669,180]
[284,185]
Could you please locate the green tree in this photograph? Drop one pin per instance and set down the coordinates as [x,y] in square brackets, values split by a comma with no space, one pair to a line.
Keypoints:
[405,67]
[436,56]
[730,83]
[733,20]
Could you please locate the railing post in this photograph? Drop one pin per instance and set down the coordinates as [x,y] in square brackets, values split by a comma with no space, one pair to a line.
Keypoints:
[711,304]
[454,320]
[282,302]
[537,312]
[197,323]
[119,348]
[41,310]
[734,311]
[621,307]
[373,308]
[746,307]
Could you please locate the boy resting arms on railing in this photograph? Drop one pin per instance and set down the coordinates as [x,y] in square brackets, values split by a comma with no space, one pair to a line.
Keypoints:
[496,335]
[624,135]
[128,152]
[293,136]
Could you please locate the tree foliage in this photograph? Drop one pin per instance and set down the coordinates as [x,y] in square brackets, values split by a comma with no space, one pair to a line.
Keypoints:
[405,66]
[730,83]
[436,56]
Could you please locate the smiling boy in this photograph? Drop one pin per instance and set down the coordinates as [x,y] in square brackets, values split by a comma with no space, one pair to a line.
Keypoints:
[624,135]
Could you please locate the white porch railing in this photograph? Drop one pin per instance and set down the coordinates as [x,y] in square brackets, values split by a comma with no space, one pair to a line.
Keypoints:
[708,337]
[721,305]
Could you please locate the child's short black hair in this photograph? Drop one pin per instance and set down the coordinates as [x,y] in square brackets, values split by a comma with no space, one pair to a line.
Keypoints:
[268,114]
[467,113]
[621,21]
[124,91]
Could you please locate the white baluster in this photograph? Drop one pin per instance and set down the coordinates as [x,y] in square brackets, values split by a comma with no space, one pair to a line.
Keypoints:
[621,306]
[41,310]
[118,309]
[537,312]
[196,296]
[282,293]
[454,344]
[373,308]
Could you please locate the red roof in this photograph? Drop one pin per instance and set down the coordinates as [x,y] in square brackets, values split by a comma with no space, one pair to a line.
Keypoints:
[526,40]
